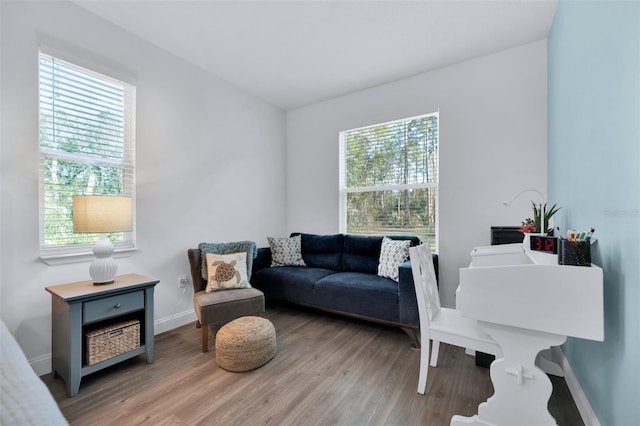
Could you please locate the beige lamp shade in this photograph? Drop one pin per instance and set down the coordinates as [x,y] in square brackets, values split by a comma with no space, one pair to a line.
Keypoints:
[102,213]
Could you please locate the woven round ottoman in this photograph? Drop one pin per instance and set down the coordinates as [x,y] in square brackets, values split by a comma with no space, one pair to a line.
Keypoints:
[245,343]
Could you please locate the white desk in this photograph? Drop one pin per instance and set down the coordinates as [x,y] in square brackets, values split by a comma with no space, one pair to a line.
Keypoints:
[527,303]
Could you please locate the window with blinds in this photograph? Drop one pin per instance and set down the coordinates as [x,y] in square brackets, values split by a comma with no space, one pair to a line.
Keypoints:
[87,146]
[389,179]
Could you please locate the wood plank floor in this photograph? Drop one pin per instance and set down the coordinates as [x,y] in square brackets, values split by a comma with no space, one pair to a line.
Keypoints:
[329,370]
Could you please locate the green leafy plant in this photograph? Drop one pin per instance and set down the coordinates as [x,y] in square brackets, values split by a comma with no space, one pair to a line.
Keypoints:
[533,225]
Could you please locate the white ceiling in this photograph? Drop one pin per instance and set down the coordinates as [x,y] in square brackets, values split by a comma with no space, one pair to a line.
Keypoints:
[294,53]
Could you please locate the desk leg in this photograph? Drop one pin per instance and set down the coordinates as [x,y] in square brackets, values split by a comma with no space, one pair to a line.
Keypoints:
[545,361]
[522,390]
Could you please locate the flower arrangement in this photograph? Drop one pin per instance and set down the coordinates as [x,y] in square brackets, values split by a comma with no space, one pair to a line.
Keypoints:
[530,225]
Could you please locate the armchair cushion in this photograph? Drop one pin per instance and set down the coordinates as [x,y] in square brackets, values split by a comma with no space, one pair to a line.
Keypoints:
[221,306]
[226,248]
[226,271]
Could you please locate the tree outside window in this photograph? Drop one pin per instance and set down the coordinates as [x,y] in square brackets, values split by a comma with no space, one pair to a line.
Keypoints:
[86,147]
[389,179]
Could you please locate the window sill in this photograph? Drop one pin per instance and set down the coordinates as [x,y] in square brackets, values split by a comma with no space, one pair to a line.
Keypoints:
[63,259]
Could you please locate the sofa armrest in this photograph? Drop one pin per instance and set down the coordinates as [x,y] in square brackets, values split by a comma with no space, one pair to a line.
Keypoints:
[407,301]
[262,259]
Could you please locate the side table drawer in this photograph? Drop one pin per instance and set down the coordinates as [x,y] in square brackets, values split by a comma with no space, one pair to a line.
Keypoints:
[112,306]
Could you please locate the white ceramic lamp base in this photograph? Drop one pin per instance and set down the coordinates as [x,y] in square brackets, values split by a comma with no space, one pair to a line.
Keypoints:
[103,269]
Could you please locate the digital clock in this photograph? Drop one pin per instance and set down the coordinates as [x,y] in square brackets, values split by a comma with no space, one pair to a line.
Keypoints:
[544,243]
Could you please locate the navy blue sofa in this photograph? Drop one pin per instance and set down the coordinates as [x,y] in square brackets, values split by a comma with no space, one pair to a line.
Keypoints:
[341,276]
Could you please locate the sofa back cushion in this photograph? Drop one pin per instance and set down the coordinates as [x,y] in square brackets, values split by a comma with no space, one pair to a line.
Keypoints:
[322,251]
[362,252]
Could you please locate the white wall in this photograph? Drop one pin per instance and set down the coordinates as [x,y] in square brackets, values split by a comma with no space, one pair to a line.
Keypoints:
[211,159]
[210,166]
[493,126]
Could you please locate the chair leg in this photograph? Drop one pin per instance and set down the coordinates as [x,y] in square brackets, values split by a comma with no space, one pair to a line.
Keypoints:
[424,367]
[205,338]
[198,325]
[435,348]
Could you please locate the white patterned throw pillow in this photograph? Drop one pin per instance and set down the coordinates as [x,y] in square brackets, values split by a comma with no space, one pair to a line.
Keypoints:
[286,251]
[392,254]
[226,271]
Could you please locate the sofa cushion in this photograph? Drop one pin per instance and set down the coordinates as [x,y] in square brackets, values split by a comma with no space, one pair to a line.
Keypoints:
[359,293]
[290,283]
[393,253]
[361,253]
[322,251]
[286,251]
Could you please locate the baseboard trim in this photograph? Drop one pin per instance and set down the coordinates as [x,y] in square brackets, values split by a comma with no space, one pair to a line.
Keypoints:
[174,321]
[582,403]
[42,364]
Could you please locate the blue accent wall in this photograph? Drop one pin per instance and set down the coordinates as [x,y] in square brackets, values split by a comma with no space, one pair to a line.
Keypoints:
[594,174]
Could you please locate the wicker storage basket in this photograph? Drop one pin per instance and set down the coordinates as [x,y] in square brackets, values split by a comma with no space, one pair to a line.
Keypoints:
[112,340]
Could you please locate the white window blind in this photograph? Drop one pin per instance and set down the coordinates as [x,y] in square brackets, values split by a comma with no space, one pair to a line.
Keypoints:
[87,146]
[389,179]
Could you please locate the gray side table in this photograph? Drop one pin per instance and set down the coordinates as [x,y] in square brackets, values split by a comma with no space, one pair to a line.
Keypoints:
[77,307]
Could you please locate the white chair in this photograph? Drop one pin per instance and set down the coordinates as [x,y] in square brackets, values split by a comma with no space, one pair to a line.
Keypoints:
[441,324]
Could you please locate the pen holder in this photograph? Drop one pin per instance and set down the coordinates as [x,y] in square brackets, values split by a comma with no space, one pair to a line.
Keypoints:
[576,253]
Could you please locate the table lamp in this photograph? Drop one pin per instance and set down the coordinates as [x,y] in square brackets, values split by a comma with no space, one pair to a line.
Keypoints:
[102,214]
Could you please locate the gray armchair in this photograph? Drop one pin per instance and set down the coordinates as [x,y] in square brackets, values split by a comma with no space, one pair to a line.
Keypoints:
[219,307]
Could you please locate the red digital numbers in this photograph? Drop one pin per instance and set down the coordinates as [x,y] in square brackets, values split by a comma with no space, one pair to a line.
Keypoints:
[546,244]
[538,243]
